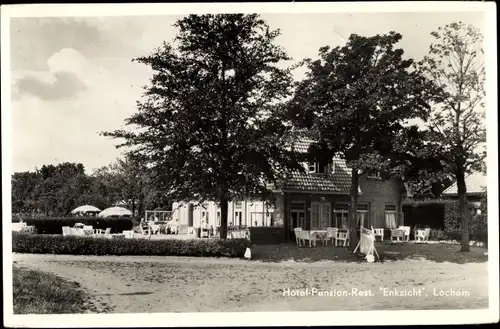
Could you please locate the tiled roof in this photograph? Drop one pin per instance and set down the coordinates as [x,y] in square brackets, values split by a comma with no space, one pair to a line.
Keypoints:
[475,183]
[338,182]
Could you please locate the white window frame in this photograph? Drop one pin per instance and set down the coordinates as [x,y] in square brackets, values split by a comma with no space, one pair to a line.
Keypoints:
[311,165]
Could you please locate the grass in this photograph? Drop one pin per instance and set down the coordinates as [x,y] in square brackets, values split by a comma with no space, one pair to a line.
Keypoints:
[37,292]
[438,253]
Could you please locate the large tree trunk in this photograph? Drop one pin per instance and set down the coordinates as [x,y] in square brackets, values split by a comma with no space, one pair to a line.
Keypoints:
[464,211]
[224,205]
[133,207]
[353,217]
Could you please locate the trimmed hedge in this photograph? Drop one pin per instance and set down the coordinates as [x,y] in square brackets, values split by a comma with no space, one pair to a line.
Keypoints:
[267,235]
[53,225]
[72,245]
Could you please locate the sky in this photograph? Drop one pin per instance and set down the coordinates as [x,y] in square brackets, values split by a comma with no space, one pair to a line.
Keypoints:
[73,77]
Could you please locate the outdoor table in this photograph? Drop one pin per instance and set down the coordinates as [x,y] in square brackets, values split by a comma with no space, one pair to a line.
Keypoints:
[320,235]
[155,228]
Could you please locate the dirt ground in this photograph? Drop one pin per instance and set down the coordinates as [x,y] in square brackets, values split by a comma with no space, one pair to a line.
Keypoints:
[187,284]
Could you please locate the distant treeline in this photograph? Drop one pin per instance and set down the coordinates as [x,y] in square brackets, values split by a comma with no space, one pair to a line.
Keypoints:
[55,190]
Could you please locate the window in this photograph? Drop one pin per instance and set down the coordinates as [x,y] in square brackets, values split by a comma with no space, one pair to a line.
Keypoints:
[298,206]
[362,215]
[390,207]
[257,219]
[218,218]
[321,167]
[297,215]
[341,211]
[205,216]
[390,216]
[238,205]
[362,207]
[373,174]
[312,167]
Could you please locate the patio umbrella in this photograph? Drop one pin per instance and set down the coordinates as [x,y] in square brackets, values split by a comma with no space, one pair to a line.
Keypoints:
[115,211]
[85,208]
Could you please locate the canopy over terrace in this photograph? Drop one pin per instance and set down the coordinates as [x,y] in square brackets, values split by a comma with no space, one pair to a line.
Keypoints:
[85,209]
[115,212]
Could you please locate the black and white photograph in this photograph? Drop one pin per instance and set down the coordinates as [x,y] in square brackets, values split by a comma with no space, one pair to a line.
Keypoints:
[250,164]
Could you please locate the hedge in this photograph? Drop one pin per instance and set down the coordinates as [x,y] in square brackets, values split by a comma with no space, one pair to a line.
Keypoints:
[73,245]
[267,235]
[53,225]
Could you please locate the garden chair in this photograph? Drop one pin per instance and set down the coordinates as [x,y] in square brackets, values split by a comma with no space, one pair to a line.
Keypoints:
[407,230]
[332,233]
[422,235]
[145,230]
[128,234]
[344,237]
[297,234]
[378,232]
[66,230]
[306,235]
[397,234]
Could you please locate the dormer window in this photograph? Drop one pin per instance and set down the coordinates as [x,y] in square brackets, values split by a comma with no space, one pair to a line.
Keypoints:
[320,167]
[373,174]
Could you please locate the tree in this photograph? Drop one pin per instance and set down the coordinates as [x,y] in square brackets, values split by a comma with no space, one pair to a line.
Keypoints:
[60,188]
[356,100]
[23,184]
[211,124]
[456,64]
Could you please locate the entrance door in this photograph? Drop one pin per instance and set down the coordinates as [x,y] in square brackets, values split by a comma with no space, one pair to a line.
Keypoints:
[298,219]
[320,215]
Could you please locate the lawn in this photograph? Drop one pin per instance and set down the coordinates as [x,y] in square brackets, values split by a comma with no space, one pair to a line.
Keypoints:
[387,251]
[36,292]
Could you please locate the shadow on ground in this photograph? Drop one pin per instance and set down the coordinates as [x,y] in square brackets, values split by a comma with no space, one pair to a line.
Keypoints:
[388,252]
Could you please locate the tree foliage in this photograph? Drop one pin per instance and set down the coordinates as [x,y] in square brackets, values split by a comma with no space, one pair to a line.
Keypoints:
[357,99]
[455,62]
[55,190]
[211,123]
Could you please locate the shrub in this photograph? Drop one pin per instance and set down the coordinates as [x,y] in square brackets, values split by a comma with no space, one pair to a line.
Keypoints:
[58,244]
[267,235]
[436,235]
[452,215]
[53,225]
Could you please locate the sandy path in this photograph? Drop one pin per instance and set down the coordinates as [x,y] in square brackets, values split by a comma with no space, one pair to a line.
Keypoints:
[181,284]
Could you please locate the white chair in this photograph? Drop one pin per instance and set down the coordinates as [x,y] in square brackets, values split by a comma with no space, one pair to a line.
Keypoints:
[128,234]
[66,230]
[378,232]
[306,235]
[422,235]
[297,231]
[397,234]
[407,230]
[332,233]
[344,237]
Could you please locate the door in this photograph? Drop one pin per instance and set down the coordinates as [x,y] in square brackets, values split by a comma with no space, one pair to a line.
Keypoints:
[298,219]
[320,215]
